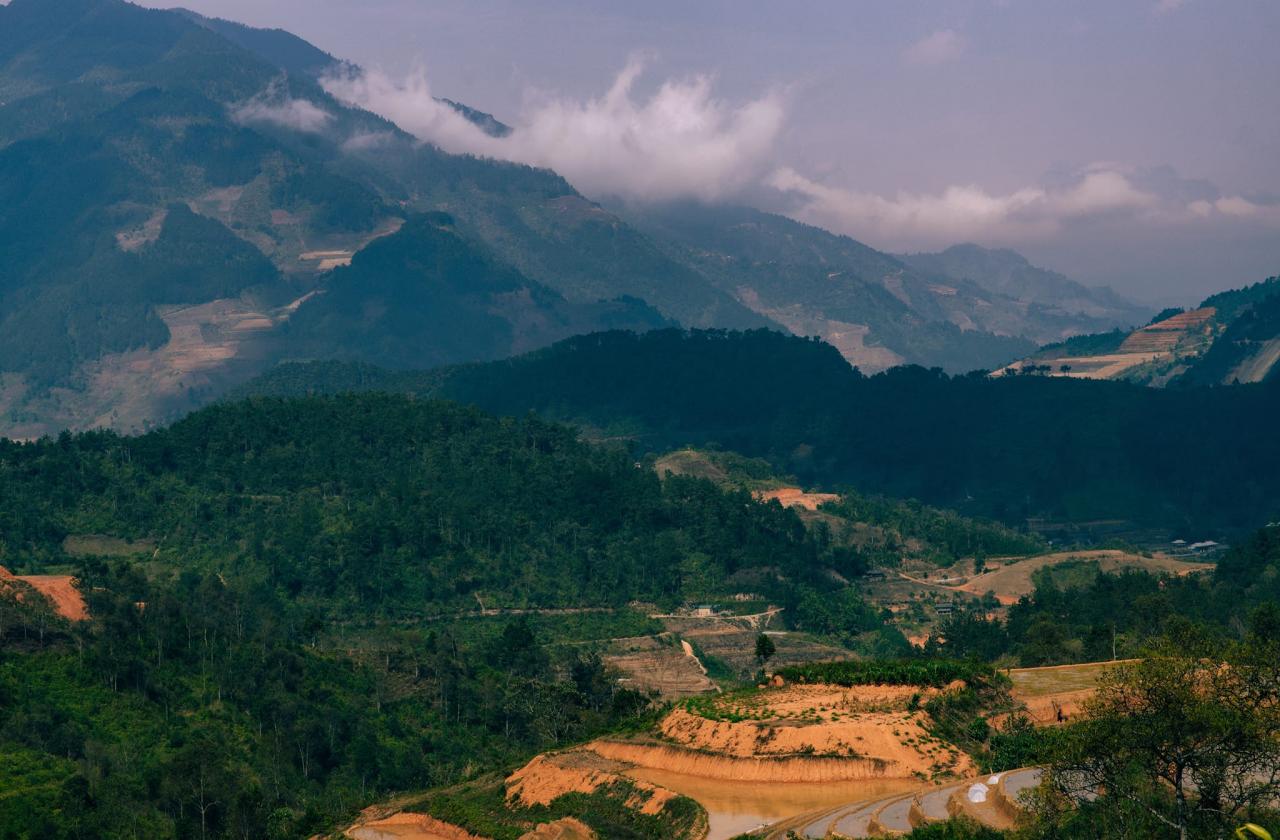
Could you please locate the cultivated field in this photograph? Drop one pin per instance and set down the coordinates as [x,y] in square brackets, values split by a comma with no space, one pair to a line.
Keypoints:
[1162,343]
[732,641]
[100,545]
[1046,691]
[1012,580]
[661,665]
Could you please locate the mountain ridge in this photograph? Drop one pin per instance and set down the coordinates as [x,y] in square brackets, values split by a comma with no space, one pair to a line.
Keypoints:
[1232,337]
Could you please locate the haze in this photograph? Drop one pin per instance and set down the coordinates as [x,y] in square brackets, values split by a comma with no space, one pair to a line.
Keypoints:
[1134,144]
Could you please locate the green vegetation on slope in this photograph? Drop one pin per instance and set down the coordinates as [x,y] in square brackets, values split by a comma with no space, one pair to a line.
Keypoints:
[481,808]
[927,672]
[1006,448]
[1119,614]
[942,536]
[194,707]
[255,675]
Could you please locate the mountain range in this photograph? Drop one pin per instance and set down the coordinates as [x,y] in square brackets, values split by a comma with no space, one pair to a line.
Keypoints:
[182,205]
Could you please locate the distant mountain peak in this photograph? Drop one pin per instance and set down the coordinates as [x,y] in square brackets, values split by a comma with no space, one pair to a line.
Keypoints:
[1006,272]
[974,249]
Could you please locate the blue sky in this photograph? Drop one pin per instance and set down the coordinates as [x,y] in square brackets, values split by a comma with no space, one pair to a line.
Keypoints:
[1129,142]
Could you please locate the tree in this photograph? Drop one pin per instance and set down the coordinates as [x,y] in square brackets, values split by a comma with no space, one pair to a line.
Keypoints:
[1183,739]
[765,649]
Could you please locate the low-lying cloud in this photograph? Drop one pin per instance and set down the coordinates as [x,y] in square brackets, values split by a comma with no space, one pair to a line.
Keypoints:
[968,212]
[679,142]
[275,106]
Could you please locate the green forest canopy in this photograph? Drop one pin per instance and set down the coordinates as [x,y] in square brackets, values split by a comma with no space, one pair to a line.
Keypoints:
[1006,448]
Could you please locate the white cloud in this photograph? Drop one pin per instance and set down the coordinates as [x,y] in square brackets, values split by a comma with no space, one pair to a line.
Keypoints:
[365,140]
[680,141]
[966,212]
[274,105]
[962,212]
[1238,207]
[937,48]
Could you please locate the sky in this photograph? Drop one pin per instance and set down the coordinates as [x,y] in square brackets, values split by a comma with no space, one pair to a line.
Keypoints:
[1133,143]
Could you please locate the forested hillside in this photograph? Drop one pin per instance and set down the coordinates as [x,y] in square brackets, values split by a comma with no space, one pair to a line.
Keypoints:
[245,673]
[137,145]
[279,639]
[1005,447]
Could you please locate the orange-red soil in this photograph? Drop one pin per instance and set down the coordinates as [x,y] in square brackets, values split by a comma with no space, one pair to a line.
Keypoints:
[406,826]
[59,590]
[795,497]
[551,775]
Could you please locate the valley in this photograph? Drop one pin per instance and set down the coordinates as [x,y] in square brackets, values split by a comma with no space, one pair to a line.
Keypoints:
[689,456]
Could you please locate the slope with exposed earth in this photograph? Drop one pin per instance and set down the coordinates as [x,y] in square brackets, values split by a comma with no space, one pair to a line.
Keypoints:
[60,591]
[1232,337]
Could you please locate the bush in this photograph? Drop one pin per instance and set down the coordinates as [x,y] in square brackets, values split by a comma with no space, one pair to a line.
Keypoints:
[935,673]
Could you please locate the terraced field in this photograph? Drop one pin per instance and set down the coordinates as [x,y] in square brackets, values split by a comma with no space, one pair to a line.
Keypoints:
[991,800]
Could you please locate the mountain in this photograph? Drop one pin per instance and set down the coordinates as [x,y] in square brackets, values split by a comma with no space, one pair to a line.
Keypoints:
[425,294]
[182,205]
[275,46]
[1056,300]
[1010,448]
[114,118]
[1231,337]
[874,308]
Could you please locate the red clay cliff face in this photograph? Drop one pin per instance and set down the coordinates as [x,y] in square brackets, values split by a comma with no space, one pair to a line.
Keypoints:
[59,590]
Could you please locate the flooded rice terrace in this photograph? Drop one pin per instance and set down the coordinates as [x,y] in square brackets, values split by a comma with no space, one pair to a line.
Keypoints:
[737,807]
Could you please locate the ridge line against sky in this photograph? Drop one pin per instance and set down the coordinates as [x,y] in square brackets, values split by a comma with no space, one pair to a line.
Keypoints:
[1124,143]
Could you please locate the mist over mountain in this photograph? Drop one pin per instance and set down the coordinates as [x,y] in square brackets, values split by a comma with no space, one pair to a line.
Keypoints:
[382,458]
[186,203]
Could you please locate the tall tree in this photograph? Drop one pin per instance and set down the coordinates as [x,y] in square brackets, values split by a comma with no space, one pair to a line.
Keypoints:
[1187,739]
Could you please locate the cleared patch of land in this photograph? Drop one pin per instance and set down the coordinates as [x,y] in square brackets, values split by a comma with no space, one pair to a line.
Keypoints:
[406,826]
[874,724]
[1055,679]
[797,733]
[660,665]
[1012,580]
[551,775]
[1256,367]
[732,641]
[1057,693]
[59,590]
[848,338]
[1160,344]
[100,545]
[795,497]
[692,463]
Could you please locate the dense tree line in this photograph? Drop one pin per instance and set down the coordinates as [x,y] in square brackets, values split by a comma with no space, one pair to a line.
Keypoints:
[195,707]
[1007,448]
[218,690]
[395,504]
[1119,615]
